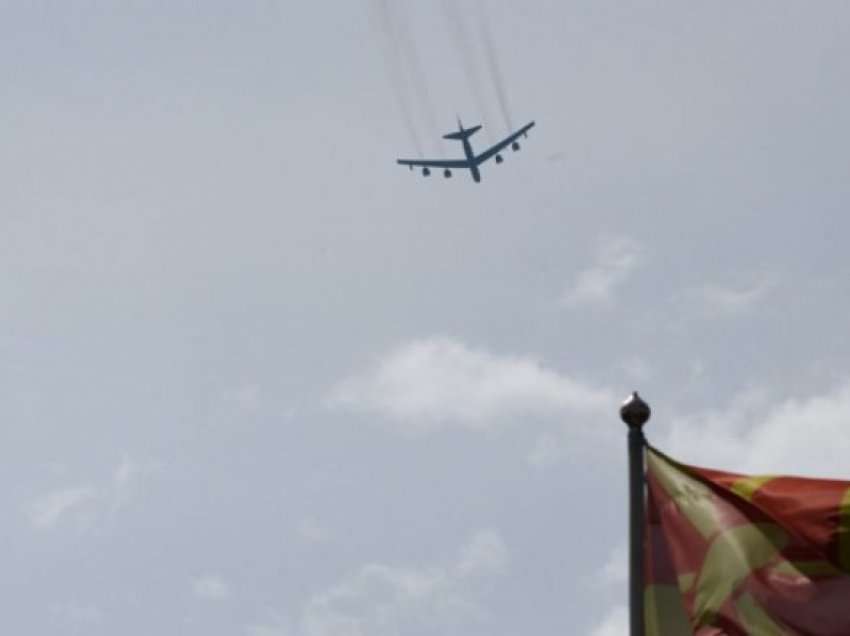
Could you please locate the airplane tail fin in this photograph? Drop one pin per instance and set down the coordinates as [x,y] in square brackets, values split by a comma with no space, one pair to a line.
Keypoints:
[463,133]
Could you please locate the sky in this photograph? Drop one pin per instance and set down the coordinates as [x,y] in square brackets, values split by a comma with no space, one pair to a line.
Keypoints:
[256,379]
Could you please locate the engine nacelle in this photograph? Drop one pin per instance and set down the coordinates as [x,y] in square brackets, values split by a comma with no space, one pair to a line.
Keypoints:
[515,146]
[447,173]
[426,172]
[499,159]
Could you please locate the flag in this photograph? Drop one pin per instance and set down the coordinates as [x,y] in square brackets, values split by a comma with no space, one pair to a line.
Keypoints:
[738,555]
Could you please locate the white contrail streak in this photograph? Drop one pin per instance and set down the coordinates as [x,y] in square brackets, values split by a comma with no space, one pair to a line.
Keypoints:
[469,60]
[393,58]
[493,63]
[407,57]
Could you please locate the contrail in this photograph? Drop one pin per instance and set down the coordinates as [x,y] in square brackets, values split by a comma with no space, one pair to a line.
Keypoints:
[493,63]
[392,56]
[468,58]
[407,52]
[419,81]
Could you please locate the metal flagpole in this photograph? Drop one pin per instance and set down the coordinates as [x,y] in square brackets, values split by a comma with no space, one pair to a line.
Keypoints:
[635,413]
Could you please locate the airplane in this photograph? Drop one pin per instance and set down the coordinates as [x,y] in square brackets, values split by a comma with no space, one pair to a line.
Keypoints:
[472,161]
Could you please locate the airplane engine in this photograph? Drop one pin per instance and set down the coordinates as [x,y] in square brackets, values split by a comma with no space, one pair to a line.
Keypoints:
[499,159]
[515,146]
[426,172]
[447,173]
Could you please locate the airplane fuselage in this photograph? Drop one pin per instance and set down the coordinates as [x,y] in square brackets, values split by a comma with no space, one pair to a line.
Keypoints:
[470,157]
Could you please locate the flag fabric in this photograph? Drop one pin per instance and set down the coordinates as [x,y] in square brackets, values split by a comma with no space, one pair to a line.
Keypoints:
[738,555]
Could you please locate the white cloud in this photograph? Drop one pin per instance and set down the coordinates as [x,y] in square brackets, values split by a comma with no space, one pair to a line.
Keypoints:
[377,596]
[731,300]
[637,369]
[438,382]
[46,511]
[276,625]
[759,433]
[616,259]
[615,623]
[125,480]
[311,531]
[95,502]
[76,613]
[548,450]
[124,473]
[247,397]
[486,553]
[616,568]
[211,587]
[382,600]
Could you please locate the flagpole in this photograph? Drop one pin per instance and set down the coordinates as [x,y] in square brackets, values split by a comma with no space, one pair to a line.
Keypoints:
[635,413]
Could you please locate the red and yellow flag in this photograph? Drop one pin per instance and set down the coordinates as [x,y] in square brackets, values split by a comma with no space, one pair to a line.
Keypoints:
[737,555]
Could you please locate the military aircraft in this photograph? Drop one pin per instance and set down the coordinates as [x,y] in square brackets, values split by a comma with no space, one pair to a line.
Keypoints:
[472,161]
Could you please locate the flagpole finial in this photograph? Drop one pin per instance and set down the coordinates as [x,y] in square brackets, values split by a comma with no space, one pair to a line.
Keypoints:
[634,411]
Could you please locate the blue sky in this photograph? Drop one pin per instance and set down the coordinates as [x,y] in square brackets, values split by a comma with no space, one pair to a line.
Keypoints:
[257,379]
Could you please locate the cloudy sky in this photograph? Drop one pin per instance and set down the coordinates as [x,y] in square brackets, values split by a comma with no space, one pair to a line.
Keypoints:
[258,380]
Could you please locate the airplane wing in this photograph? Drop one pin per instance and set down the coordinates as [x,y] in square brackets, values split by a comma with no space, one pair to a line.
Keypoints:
[434,163]
[507,141]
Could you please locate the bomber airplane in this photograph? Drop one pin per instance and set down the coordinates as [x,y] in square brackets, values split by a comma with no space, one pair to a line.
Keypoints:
[471,161]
